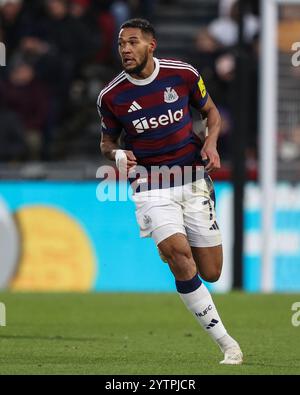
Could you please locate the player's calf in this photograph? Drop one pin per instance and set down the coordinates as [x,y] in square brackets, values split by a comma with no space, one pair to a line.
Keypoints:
[209,261]
[178,254]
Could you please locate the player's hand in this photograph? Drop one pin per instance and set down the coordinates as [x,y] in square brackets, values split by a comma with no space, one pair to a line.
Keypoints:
[210,154]
[125,160]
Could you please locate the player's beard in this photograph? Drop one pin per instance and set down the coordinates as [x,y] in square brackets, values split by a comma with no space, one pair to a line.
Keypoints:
[140,67]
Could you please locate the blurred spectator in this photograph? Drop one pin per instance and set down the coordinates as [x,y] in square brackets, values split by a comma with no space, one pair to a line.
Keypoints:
[84,12]
[67,35]
[289,145]
[224,140]
[217,50]
[223,31]
[12,140]
[145,8]
[13,24]
[23,94]
[107,26]
[120,12]
[79,8]
[225,7]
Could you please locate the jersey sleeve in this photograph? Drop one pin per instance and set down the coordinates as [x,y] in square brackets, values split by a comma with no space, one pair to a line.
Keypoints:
[197,90]
[109,123]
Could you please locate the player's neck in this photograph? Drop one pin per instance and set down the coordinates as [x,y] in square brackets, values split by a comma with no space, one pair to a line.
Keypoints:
[146,72]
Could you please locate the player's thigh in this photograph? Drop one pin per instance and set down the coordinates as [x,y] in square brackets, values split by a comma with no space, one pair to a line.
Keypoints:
[177,251]
[158,216]
[200,221]
[202,229]
[209,261]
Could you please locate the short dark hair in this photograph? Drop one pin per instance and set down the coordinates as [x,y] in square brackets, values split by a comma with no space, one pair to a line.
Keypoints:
[140,23]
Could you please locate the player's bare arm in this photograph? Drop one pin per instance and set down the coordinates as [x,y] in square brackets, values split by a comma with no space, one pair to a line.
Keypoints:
[110,148]
[209,150]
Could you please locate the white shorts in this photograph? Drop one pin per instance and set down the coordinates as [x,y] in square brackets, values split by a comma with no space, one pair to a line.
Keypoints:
[187,209]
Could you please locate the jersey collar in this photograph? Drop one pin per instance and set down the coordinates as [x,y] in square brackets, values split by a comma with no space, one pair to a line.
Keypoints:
[147,80]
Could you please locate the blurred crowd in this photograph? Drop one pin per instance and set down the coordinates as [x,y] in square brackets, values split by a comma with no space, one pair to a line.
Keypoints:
[289,85]
[217,50]
[59,53]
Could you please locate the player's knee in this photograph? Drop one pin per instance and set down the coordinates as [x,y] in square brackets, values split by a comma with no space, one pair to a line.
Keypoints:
[212,275]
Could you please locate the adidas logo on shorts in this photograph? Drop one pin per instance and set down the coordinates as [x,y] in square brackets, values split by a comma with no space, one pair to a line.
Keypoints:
[214,226]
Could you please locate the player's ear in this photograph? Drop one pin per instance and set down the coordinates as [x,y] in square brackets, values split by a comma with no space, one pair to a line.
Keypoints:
[153,45]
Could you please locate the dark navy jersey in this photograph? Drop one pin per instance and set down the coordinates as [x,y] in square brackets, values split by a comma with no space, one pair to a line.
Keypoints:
[155,113]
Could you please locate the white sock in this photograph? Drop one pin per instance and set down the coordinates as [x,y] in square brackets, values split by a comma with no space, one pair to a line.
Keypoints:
[200,303]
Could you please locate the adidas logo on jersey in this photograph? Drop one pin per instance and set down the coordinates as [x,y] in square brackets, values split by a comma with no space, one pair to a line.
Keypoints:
[143,123]
[134,107]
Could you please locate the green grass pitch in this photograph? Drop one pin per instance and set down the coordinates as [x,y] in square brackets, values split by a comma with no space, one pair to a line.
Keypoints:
[143,334]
